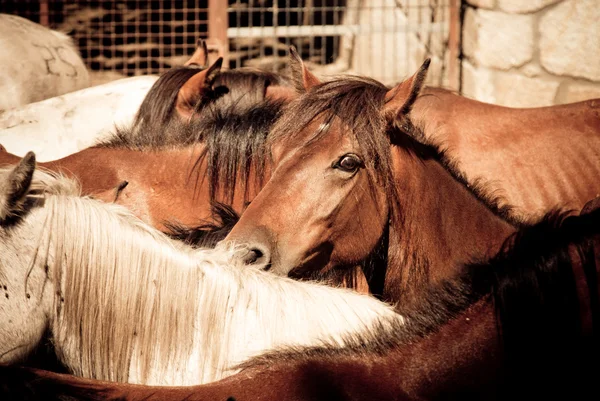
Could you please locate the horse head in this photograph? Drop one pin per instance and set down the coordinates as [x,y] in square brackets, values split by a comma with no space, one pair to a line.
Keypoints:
[25,298]
[327,204]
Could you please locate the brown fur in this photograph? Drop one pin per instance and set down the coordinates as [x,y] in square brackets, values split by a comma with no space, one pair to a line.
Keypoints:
[327,220]
[536,159]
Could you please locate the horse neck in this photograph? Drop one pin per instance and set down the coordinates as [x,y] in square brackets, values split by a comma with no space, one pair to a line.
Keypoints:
[513,150]
[437,225]
[447,120]
[179,317]
[126,303]
[447,363]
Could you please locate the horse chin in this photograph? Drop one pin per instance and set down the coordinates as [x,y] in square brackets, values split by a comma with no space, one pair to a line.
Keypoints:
[313,265]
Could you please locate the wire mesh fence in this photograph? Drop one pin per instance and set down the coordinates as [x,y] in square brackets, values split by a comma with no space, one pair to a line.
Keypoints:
[384,39]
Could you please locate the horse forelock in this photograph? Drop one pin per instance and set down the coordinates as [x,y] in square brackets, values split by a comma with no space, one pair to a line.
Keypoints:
[158,107]
[156,125]
[356,102]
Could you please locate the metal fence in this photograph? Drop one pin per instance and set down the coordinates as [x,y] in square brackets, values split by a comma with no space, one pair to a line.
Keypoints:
[385,39]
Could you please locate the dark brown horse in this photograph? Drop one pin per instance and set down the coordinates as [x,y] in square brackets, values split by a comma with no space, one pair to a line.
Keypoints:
[190,144]
[533,159]
[525,325]
[349,188]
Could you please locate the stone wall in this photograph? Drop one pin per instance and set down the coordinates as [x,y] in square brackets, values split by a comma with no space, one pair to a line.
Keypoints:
[526,53]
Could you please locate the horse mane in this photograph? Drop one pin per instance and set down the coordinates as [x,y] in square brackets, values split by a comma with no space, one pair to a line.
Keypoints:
[236,147]
[109,264]
[357,102]
[209,233]
[234,138]
[156,125]
[47,182]
[531,284]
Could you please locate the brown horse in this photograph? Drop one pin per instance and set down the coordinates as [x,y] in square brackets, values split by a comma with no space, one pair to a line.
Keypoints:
[524,325]
[533,159]
[189,145]
[349,188]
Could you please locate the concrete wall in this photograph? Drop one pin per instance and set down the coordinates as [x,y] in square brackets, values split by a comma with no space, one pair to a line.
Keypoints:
[526,53]
[395,36]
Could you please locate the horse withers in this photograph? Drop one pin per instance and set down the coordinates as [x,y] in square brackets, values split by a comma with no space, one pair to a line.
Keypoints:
[532,159]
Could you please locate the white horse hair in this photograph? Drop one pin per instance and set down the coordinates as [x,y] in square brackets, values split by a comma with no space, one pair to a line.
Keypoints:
[123,302]
[63,125]
[36,63]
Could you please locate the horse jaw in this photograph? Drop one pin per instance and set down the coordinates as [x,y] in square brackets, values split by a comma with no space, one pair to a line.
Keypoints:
[26,293]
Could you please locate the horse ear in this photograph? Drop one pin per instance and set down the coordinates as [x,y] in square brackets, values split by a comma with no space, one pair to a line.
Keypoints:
[591,205]
[399,99]
[195,88]
[15,186]
[200,56]
[303,79]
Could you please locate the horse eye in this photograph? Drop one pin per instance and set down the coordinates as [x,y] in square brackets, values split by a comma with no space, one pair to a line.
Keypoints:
[348,163]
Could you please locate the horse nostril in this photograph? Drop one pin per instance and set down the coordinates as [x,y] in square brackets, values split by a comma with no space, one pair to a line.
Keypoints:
[256,256]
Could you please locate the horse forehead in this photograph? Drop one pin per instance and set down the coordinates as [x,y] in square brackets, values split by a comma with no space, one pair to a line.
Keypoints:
[331,138]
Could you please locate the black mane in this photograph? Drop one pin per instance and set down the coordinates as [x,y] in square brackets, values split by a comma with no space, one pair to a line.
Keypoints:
[157,125]
[207,234]
[235,145]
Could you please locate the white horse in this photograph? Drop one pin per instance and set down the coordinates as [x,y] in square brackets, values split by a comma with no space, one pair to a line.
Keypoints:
[36,63]
[123,302]
[57,127]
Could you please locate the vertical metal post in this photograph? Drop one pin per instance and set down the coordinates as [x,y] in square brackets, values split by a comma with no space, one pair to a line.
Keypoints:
[44,17]
[454,45]
[217,28]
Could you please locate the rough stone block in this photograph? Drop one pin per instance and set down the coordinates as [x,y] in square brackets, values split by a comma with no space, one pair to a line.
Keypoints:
[579,92]
[516,90]
[477,82]
[570,39]
[496,39]
[482,3]
[524,6]
[507,88]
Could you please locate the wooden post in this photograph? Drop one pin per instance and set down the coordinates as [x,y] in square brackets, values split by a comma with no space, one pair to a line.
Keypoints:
[218,23]
[44,17]
[454,46]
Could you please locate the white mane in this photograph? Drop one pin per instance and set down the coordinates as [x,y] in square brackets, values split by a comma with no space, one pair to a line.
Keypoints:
[135,306]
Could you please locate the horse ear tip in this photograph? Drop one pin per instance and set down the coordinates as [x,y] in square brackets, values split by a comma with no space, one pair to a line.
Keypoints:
[218,63]
[29,157]
[426,62]
[294,52]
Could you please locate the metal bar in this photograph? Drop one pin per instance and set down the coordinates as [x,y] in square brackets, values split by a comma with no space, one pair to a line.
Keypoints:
[454,46]
[44,14]
[320,30]
[218,27]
